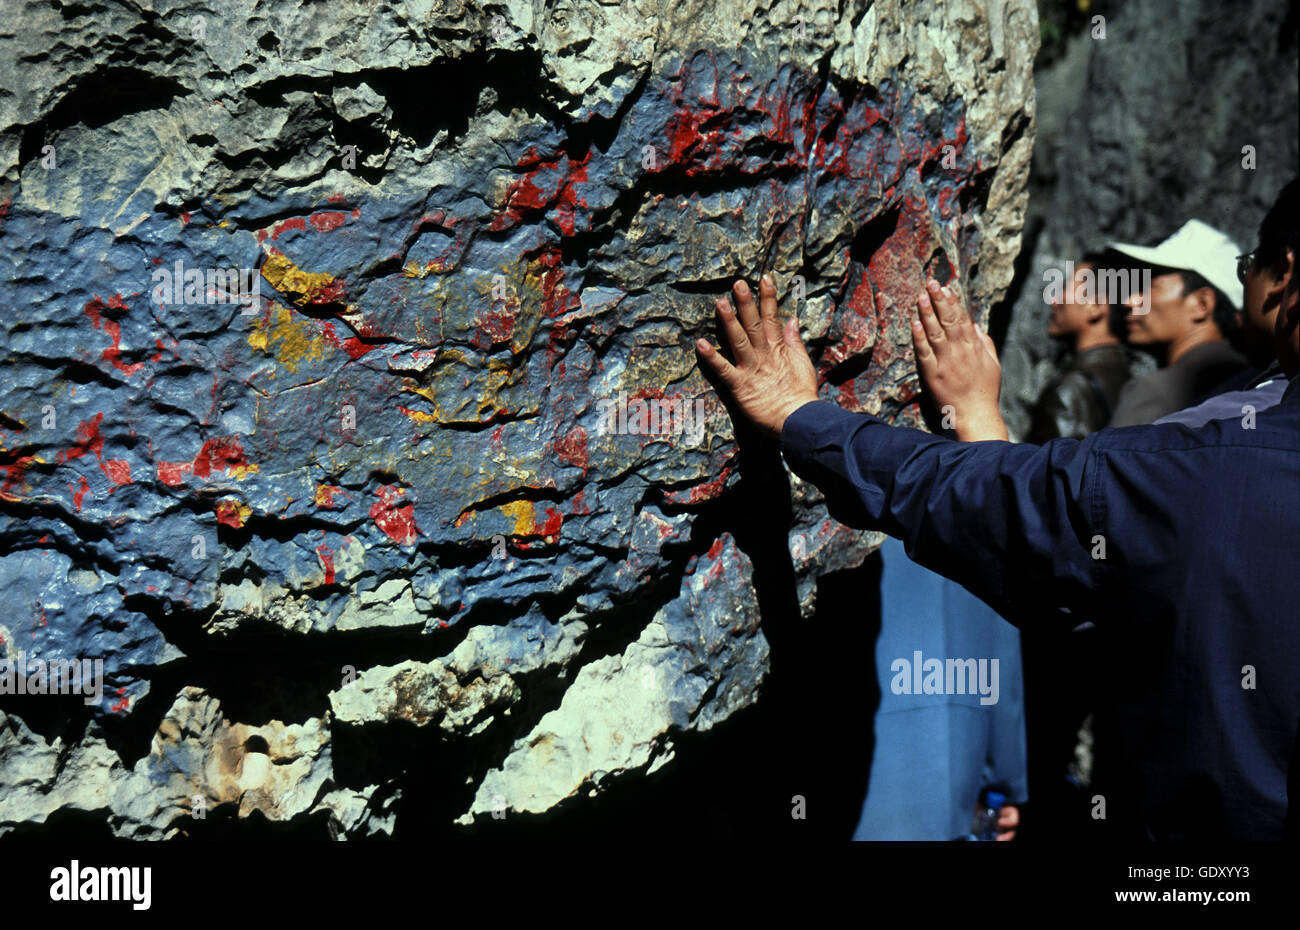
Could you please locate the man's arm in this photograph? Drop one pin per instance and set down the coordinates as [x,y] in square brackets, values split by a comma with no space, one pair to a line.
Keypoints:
[1012,523]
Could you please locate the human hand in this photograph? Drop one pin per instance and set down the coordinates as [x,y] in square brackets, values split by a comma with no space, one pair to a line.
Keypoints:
[958,364]
[772,376]
[1008,820]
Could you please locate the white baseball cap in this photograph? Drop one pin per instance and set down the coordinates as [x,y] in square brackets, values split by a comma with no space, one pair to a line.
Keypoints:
[1197,247]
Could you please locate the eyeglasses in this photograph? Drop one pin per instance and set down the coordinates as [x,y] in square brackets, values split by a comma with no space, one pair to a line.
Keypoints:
[1244,264]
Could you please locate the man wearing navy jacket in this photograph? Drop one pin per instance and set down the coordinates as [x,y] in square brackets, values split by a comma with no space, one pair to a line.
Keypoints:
[1133,527]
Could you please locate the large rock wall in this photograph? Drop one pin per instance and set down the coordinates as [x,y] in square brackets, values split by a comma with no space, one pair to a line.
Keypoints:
[371,530]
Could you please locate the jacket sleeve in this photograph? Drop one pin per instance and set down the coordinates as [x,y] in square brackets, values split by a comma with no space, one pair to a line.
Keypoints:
[1012,523]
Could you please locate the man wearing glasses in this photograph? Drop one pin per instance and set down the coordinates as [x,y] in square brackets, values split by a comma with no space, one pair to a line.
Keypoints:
[1193,302]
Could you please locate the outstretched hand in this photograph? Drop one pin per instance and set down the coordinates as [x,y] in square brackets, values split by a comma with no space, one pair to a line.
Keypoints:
[772,375]
[958,364]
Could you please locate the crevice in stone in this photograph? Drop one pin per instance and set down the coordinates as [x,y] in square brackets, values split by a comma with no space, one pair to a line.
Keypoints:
[107,95]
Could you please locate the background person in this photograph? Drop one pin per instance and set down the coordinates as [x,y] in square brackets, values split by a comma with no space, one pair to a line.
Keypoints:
[934,755]
[1264,275]
[1191,306]
[1060,665]
[1082,396]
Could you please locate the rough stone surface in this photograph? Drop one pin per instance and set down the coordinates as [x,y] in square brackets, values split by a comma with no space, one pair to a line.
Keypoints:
[199,762]
[370,533]
[1140,132]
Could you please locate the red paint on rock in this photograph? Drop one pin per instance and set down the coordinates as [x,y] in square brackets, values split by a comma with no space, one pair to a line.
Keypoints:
[118,471]
[557,299]
[221,454]
[396,520]
[848,397]
[573,448]
[497,324]
[171,473]
[702,492]
[327,559]
[295,222]
[550,184]
[325,494]
[14,472]
[554,343]
[79,493]
[554,521]
[327,221]
[94,310]
[578,505]
[352,345]
[88,440]
[858,328]
[228,513]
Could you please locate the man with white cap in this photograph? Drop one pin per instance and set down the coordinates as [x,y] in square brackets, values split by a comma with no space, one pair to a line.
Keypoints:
[1182,311]
[1264,275]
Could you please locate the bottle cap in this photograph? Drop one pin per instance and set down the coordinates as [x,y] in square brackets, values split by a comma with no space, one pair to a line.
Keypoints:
[996,799]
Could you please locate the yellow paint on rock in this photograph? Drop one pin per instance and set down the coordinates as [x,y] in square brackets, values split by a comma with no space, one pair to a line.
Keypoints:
[302,287]
[522,513]
[297,342]
[239,472]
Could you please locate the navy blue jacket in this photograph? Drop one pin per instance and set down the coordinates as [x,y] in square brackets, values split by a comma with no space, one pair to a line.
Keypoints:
[1185,542]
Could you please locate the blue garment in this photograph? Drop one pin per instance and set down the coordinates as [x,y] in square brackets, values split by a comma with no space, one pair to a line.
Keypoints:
[1265,391]
[1201,536]
[935,752]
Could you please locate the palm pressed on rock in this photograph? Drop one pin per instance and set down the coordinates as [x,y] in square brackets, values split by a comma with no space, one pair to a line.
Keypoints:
[771,376]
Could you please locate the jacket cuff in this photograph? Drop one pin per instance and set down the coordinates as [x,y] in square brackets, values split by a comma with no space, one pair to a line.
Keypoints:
[805,429]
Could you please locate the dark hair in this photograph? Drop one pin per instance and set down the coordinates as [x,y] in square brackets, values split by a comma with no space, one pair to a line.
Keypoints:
[1225,314]
[1278,227]
[1117,319]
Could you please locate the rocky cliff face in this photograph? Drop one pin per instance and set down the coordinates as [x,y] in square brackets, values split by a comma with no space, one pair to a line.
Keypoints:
[349,411]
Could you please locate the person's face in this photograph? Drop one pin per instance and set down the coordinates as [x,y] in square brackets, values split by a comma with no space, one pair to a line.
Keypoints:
[1072,315]
[1263,296]
[1172,313]
[1287,321]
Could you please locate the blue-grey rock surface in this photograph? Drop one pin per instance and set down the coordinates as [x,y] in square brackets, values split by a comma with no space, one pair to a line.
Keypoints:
[349,410]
